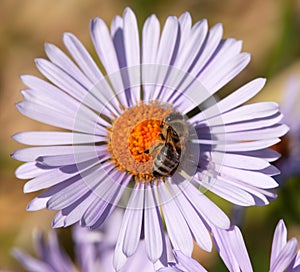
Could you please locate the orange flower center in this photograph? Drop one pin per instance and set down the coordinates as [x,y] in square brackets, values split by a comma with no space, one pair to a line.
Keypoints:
[142,137]
[133,133]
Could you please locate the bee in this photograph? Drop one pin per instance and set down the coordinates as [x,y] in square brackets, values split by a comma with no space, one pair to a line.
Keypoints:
[172,145]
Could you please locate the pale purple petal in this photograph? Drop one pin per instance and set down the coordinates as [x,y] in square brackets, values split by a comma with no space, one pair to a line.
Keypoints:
[260,196]
[256,134]
[38,203]
[267,154]
[230,192]
[105,49]
[295,265]
[139,261]
[50,176]
[104,45]
[133,218]
[82,58]
[252,178]
[223,74]
[112,196]
[29,170]
[246,112]
[150,42]
[286,256]
[237,98]
[213,40]
[284,253]
[32,153]
[132,51]
[177,227]
[188,263]
[188,54]
[166,50]
[30,263]
[74,213]
[188,51]
[232,249]
[119,258]
[153,228]
[59,58]
[120,77]
[244,162]
[245,125]
[77,117]
[196,225]
[279,241]
[246,146]
[106,190]
[55,138]
[206,208]
[185,22]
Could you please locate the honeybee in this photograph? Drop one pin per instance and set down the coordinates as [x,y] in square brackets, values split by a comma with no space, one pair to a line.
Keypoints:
[172,145]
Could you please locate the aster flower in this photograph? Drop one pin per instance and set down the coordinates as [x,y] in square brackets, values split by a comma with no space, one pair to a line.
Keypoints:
[149,135]
[93,252]
[290,146]
[232,250]
[284,255]
[50,255]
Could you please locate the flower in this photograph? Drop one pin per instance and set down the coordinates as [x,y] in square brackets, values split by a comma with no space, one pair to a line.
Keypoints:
[284,253]
[290,146]
[232,249]
[93,251]
[50,257]
[149,136]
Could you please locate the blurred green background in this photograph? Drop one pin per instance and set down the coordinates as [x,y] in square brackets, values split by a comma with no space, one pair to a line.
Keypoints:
[270,30]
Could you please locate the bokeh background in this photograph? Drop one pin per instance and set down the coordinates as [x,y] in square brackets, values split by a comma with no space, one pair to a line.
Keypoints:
[270,30]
